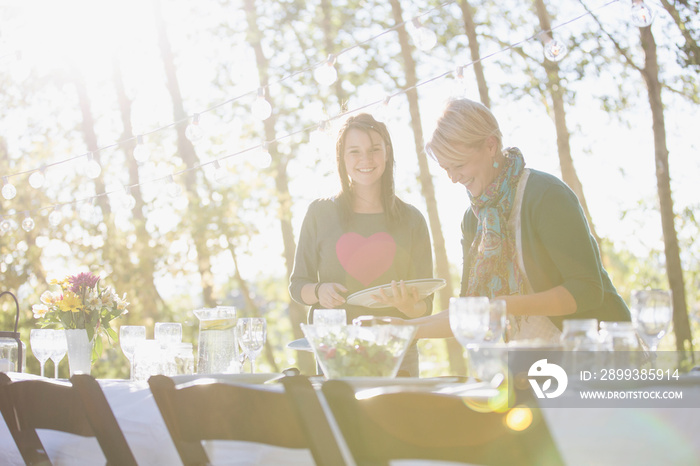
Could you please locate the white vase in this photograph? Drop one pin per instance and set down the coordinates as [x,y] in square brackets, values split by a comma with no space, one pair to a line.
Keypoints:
[79,351]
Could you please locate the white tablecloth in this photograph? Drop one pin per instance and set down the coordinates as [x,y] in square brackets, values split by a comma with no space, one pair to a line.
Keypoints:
[604,436]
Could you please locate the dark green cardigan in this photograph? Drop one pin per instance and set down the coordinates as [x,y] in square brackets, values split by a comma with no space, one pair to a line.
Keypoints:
[558,249]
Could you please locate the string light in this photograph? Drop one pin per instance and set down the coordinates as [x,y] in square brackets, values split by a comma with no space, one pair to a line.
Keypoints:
[8,189]
[262,158]
[640,14]
[261,108]
[220,172]
[424,38]
[27,223]
[326,74]
[36,179]
[554,49]
[194,131]
[55,217]
[380,113]
[5,225]
[141,152]
[459,87]
[127,201]
[172,188]
[92,169]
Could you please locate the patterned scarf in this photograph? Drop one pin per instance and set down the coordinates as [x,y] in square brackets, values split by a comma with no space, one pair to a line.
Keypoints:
[493,269]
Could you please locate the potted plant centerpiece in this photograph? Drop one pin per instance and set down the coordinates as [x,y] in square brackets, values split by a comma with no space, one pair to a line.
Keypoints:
[85,311]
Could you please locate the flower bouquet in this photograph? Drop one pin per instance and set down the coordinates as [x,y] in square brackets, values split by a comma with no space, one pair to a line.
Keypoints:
[81,304]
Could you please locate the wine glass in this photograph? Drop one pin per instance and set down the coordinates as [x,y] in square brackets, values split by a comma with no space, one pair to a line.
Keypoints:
[469,319]
[497,322]
[251,333]
[60,347]
[41,342]
[329,317]
[652,313]
[168,333]
[129,337]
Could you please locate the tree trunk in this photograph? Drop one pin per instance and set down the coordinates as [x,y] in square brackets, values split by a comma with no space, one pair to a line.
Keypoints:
[455,351]
[650,72]
[297,312]
[144,286]
[470,29]
[188,155]
[556,91]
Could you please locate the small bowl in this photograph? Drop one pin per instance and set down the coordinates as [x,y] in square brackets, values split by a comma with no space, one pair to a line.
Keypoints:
[356,351]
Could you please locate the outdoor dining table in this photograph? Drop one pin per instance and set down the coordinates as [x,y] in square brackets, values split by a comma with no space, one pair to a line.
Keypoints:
[601,436]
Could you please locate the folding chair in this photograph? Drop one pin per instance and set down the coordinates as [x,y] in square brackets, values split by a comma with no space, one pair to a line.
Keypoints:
[220,411]
[431,426]
[80,409]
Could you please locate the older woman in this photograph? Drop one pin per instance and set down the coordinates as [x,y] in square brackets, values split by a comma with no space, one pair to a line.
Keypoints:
[525,238]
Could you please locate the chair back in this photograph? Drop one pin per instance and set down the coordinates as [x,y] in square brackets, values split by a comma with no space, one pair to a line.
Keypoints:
[28,405]
[431,426]
[220,411]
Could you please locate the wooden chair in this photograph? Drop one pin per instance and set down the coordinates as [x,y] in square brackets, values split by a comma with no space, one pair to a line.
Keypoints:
[80,409]
[430,426]
[221,411]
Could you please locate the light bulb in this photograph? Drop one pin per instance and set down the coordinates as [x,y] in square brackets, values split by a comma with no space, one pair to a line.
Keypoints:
[640,14]
[92,169]
[87,212]
[172,188]
[220,172]
[326,74]
[262,159]
[194,131]
[36,179]
[8,189]
[5,225]
[141,151]
[55,217]
[424,38]
[261,108]
[459,86]
[28,223]
[554,50]
[126,200]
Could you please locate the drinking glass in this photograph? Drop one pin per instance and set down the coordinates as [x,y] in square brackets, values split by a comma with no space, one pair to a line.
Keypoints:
[41,340]
[59,349]
[168,333]
[497,322]
[469,319]
[329,317]
[148,360]
[251,333]
[129,337]
[652,313]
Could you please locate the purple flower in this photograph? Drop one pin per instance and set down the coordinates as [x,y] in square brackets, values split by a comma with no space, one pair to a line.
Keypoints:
[83,281]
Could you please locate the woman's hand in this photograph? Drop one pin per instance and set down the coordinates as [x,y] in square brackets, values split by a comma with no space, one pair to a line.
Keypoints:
[329,296]
[404,298]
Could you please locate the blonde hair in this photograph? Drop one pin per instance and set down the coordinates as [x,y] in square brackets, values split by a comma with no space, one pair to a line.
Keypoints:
[463,122]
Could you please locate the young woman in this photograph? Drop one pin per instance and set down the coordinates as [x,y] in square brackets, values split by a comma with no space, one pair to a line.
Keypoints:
[364,236]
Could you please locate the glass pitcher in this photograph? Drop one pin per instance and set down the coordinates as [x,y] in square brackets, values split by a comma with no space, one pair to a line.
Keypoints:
[217,350]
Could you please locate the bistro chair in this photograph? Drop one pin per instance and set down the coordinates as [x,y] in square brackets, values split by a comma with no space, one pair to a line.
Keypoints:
[79,408]
[262,414]
[430,426]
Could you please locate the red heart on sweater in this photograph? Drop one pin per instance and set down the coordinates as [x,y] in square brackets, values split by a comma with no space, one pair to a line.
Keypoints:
[366,259]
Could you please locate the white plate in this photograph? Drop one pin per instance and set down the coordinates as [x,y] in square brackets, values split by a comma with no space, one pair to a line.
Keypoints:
[426,286]
[302,344]
[258,378]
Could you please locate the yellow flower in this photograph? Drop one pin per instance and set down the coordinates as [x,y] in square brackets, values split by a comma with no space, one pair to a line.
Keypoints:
[39,310]
[70,303]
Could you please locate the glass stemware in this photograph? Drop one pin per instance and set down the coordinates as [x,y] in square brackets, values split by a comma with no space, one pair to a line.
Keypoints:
[59,349]
[652,313]
[129,337]
[168,333]
[469,319]
[41,340]
[329,317]
[251,333]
